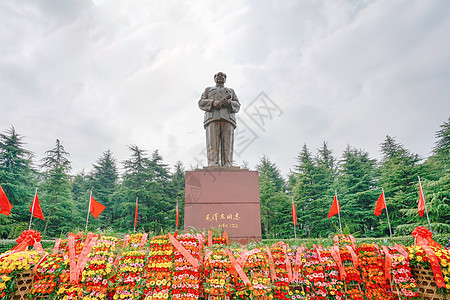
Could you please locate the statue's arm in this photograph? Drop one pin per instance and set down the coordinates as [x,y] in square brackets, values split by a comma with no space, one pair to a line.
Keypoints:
[235,105]
[204,103]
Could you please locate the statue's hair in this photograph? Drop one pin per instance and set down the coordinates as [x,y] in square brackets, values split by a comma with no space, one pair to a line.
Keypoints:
[225,75]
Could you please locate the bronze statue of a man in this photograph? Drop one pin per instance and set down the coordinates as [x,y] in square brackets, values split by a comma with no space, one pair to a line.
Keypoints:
[220,104]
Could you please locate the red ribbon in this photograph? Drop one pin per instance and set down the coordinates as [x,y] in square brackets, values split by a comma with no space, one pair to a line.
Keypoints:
[225,235]
[183,251]
[57,243]
[337,258]
[38,247]
[387,263]
[82,260]
[72,262]
[298,263]
[126,240]
[402,251]
[210,237]
[143,240]
[273,275]
[238,268]
[353,255]
[207,254]
[38,264]
[434,262]
[288,267]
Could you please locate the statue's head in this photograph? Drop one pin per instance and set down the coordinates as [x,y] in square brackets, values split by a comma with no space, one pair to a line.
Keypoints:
[220,78]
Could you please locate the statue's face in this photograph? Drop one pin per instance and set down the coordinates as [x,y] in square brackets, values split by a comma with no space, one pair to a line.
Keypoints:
[220,78]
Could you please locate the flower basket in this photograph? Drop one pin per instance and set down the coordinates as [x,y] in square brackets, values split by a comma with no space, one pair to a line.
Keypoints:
[426,283]
[23,284]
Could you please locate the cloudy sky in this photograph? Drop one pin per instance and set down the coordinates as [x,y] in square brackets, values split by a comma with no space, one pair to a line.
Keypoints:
[105,74]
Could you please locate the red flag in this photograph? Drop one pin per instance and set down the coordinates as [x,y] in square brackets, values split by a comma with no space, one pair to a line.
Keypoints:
[96,208]
[136,213]
[335,208]
[37,211]
[5,205]
[381,204]
[421,205]
[177,217]
[294,213]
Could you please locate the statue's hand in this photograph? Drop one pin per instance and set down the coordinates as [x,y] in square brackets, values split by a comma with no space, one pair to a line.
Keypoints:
[217,103]
[226,102]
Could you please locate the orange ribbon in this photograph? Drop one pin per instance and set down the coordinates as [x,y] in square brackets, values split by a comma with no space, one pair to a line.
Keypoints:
[273,275]
[387,263]
[238,268]
[434,262]
[337,258]
[353,255]
[183,251]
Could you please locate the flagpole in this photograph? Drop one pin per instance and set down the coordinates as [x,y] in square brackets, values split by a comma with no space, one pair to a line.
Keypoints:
[135,216]
[177,217]
[387,214]
[339,211]
[32,210]
[426,211]
[89,210]
[295,229]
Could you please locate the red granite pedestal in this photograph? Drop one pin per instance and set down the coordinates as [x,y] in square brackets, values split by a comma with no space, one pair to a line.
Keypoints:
[224,197]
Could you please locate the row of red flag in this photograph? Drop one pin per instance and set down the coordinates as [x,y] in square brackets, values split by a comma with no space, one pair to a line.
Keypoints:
[381,204]
[95,207]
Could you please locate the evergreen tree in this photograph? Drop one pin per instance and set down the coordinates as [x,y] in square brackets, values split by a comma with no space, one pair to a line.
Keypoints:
[273,200]
[57,192]
[304,189]
[436,186]
[357,177]
[314,191]
[17,179]
[147,180]
[398,176]
[103,181]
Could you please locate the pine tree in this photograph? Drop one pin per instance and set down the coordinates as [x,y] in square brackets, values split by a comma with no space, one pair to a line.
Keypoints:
[57,192]
[357,177]
[436,185]
[273,200]
[103,182]
[398,176]
[18,180]
[146,179]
